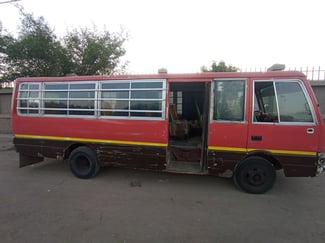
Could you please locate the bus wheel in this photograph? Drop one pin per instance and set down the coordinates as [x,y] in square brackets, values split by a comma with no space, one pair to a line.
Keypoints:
[255,175]
[83,162]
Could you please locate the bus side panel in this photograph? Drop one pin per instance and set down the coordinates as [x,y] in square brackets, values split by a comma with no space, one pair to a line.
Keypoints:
[223,163]
[146,157]
[227,146]
[132,143]
[121,130]
[133,156]
[297,165]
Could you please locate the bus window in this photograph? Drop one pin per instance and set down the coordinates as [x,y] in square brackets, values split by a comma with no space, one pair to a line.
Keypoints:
[55,98]
[293,105]
[265,106]
[29,98]
[69,99]
[133,98]
[82,99]
[229,100]
[281,101]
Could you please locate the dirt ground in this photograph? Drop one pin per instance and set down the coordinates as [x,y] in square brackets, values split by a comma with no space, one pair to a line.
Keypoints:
[46,203]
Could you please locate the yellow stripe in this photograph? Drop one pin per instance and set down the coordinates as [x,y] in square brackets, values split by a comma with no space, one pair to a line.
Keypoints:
[90,140]
[274,151]
[228,149]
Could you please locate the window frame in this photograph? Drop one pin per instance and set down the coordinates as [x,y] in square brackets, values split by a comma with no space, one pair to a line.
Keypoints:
[96,101]
[162,100]
[212,101]
[304,91]
[19,108]
[68,99]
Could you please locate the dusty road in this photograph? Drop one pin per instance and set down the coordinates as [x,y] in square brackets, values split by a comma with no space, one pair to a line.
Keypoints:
[46,203]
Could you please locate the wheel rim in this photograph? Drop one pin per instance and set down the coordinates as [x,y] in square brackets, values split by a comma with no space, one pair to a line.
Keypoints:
[82,164]
[256,176]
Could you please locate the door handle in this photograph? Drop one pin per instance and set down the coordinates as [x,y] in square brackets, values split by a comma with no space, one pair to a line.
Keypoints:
[310,130]
[256,138]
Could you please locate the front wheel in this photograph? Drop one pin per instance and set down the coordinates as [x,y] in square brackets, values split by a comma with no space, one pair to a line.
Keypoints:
[255,175]
[83,162]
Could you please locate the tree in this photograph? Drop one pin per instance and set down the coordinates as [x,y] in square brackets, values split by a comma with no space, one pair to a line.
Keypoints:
[35,52]
[220,67]
[38,52]
[93,52]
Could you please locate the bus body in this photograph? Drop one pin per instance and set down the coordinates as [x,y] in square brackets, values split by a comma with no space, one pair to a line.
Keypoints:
[240,125]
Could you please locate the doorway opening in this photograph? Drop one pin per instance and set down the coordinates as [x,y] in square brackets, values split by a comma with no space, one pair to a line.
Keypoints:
[188,121]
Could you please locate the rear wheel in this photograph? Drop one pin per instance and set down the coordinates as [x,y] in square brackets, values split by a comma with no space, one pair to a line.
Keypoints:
[84,163]
[255,175]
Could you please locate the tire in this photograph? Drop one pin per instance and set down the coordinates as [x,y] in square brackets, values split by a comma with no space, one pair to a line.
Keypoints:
[83,163]
[255,175]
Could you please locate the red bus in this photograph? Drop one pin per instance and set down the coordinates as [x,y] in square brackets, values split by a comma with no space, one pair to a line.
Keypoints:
[239,125]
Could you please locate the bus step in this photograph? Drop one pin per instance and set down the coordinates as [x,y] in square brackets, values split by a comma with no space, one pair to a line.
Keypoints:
[184,167]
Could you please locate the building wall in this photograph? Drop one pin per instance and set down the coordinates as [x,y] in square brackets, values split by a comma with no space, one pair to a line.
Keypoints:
[5,103]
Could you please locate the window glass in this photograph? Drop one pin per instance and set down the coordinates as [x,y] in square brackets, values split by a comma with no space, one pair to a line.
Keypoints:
[115,94]
[81,104]
[132,98]
[147,85]
[265,106]
[82,99]
[23,86]
[22,104]
[146,105]
[146,94]
[55,101]
[23,94]
[229,100]
[49,86]
[145,114]
[56,94]
[33,106]
[34,86]
[120,85]
[82,94]
[89,86]
[28,100]
[81,107]
[293,105]
[119,98]
[55,107]
[280,101]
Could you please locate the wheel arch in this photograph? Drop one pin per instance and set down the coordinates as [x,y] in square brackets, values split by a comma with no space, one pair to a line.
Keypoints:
[69,149]
[265,155]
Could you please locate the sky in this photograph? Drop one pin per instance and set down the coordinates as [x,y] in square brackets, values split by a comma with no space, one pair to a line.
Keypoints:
[184,35]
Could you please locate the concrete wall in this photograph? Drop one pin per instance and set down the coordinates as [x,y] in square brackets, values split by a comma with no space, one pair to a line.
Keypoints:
[5,103]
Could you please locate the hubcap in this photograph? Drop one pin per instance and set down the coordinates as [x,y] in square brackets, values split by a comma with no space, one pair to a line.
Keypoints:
[256,176]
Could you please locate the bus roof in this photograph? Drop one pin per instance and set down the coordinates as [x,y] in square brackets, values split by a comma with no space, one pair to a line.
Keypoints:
[185,77]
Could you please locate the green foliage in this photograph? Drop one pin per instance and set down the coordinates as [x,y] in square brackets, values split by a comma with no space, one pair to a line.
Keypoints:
[94,52]
[36,51]
[220,67]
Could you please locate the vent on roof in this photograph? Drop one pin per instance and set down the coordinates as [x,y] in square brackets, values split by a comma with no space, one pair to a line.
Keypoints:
[276,67]
[162,70]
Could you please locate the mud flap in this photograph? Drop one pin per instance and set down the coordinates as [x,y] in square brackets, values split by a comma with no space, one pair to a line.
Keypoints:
[25,160]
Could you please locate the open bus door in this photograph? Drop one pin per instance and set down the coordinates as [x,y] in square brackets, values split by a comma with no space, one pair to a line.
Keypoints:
[188,126]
